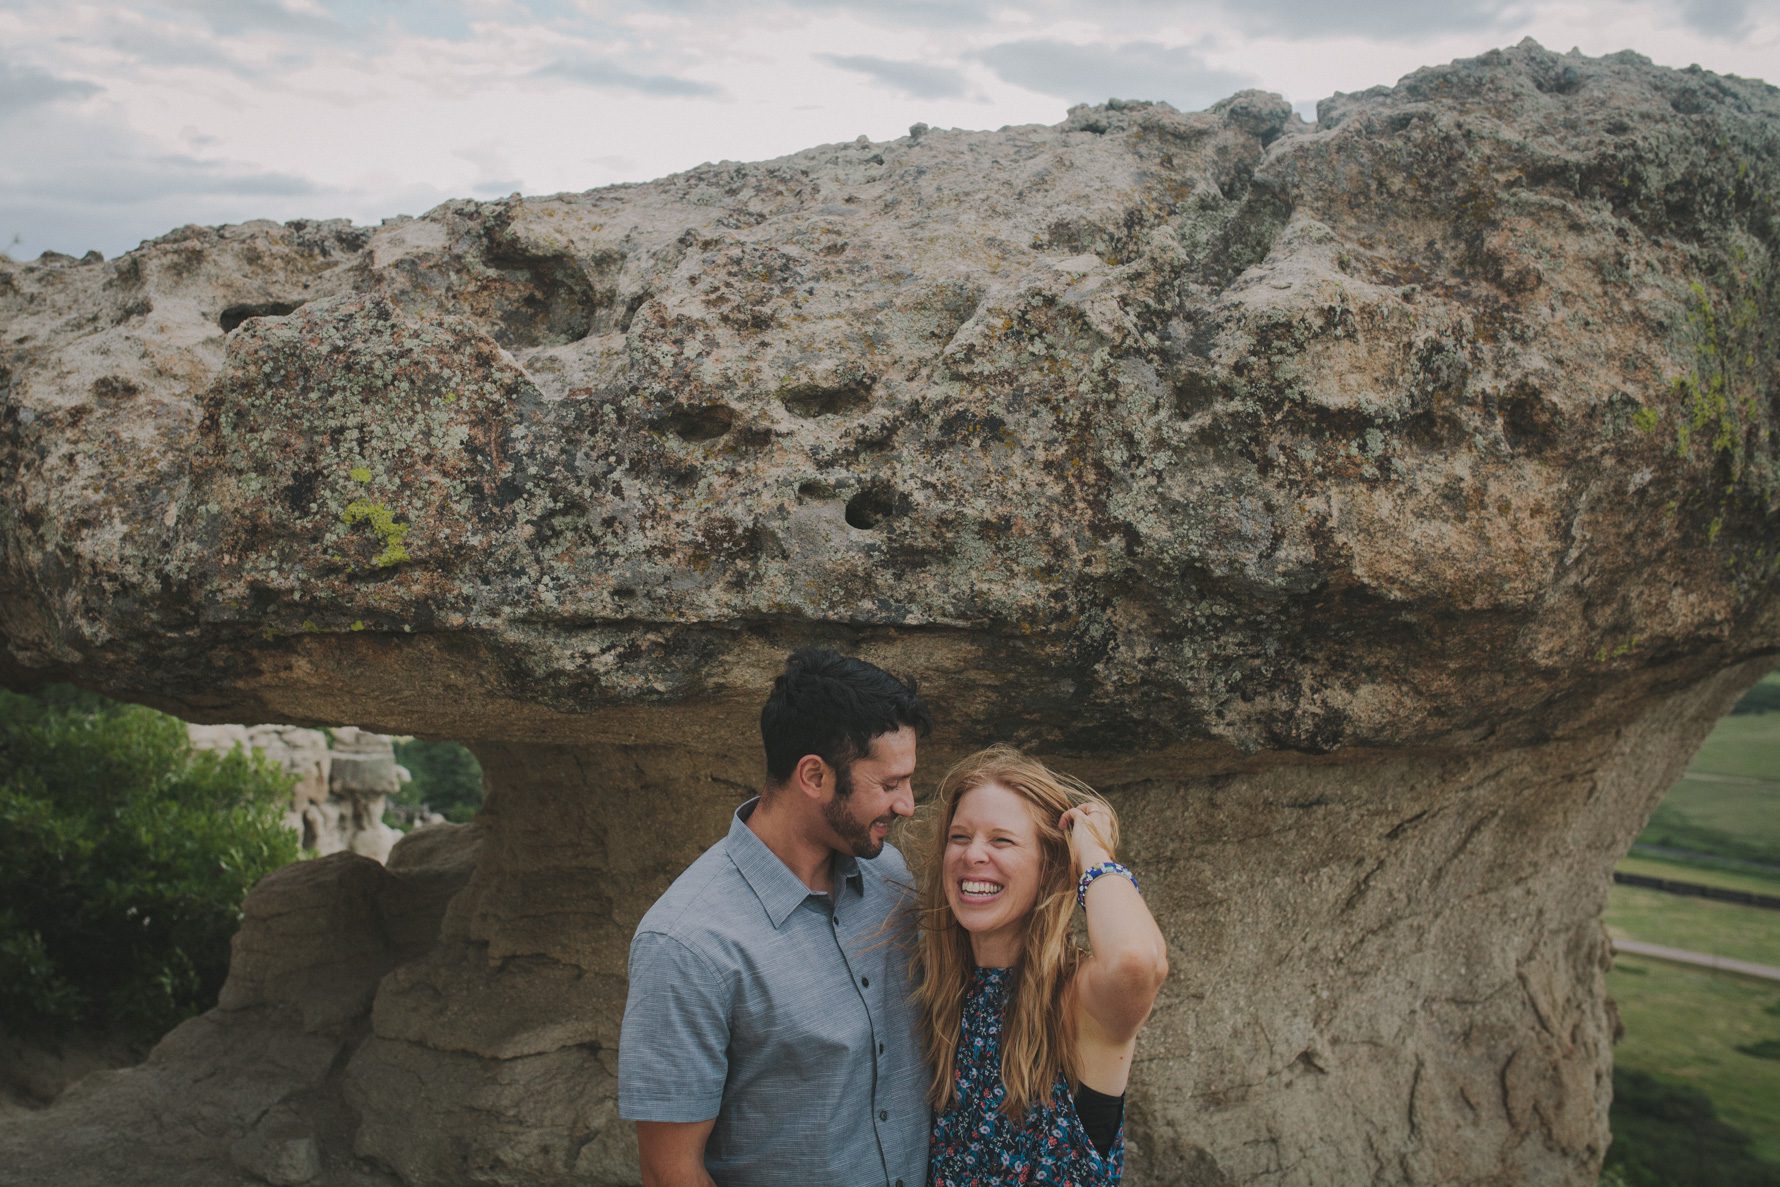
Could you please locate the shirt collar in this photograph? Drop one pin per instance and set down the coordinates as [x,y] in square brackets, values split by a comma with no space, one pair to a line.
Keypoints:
[779,890]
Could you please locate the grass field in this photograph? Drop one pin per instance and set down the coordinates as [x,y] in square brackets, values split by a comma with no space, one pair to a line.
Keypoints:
[1686,1024]
[1700,874]
[1743,743]
[1728,804]
[1697,924]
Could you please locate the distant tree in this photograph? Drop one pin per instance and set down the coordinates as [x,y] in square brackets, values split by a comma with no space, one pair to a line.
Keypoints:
[446,778]
[124,859]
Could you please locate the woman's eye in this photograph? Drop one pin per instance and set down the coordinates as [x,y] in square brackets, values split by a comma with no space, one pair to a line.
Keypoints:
[957,838]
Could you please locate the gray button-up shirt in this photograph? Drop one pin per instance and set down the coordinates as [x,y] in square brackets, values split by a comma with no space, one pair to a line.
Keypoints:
[783,1014]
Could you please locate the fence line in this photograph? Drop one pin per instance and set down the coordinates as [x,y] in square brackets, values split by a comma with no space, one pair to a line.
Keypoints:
[1745,897]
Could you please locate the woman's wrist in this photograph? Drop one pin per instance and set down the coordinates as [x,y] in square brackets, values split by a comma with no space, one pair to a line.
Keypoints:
[1100,869]
[1089,856]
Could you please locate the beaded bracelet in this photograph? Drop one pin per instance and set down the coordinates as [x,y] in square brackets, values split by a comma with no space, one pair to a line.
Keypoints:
[1093,872]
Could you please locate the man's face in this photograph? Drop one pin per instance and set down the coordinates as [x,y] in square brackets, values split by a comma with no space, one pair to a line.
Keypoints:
[871,793]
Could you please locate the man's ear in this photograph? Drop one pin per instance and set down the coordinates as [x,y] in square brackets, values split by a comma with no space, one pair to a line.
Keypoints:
[812,776]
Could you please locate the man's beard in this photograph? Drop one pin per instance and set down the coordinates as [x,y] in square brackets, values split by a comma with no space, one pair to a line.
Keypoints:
[857,836]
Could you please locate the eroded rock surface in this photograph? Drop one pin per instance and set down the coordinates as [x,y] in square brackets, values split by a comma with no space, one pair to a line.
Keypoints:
[1382,510]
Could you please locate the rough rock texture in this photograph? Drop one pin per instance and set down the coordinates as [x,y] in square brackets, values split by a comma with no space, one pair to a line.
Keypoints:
[338,800]
[1381,509]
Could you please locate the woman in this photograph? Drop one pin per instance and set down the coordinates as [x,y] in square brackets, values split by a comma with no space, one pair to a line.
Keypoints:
[1030,1037]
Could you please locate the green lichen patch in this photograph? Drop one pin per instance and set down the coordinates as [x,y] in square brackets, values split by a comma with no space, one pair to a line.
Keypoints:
[390,531]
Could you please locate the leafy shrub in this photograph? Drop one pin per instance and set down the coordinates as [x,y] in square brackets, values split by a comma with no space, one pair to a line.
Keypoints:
[446,778]
[124,858]
[1667,1134]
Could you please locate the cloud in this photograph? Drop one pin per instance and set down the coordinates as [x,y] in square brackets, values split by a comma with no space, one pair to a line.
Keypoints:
[146,178]
[915,14]
[918,80]
[238,18]
[23,87]
[589,72]
[84,182]
[908,14]
[1391,20]
[1129,70]
[1719,18]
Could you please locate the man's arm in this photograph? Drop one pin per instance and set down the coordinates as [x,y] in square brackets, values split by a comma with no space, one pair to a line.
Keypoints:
[672,1153]
[672,1058]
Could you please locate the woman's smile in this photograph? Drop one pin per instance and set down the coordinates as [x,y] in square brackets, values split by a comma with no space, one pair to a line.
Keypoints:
[992,870]
[972,890]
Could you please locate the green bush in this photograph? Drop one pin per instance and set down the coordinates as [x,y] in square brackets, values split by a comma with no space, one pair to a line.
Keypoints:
[446,778]
[124,858]
[1667,1134]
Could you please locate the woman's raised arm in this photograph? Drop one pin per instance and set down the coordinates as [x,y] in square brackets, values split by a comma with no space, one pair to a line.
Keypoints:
[1118,981]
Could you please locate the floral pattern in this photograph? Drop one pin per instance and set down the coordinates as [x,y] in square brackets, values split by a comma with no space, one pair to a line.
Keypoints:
[976,1144]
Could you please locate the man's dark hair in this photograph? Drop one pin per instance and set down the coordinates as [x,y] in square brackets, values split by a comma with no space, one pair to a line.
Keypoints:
[832,706]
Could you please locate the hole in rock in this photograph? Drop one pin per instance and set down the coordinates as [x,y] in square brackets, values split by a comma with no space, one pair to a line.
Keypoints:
[232,317]
[1527,421]
[1196,391]
[699,424]
[811,400]
[870,507]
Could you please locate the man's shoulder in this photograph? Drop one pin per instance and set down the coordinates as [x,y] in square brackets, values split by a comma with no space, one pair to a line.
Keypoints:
[704,891]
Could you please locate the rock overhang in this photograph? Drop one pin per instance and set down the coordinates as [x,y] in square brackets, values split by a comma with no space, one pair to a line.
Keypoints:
[1450,414]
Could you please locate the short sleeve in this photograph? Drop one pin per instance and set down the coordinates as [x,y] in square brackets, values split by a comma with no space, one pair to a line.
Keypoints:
[671,1048]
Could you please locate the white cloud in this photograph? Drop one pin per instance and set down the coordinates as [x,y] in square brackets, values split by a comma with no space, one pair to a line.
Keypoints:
[606,75]
[23,87]
[918,80]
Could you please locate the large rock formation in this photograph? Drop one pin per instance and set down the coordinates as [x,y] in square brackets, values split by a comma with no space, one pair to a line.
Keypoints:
[342,782]
[1381,510]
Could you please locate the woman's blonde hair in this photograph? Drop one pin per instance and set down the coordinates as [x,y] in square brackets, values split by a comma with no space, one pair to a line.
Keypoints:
[1037,1037]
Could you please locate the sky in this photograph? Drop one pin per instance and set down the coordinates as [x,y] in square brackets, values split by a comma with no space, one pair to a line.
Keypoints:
[119,122]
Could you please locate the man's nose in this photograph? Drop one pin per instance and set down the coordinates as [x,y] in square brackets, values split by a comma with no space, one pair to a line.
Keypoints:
[904,803]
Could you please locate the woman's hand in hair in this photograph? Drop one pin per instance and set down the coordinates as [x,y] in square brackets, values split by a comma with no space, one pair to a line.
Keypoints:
[1117,982]
[1086,826]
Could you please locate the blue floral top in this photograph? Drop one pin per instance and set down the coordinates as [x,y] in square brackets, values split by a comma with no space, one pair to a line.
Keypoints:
[976,1144]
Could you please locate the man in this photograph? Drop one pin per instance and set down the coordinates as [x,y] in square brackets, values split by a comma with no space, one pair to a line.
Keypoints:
[768,1038]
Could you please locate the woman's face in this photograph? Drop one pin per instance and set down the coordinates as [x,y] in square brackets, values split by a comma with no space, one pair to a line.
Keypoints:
[992,867]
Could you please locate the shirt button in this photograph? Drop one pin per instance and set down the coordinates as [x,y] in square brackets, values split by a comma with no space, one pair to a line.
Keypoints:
[835,919]
[865,981]
[883,1115]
